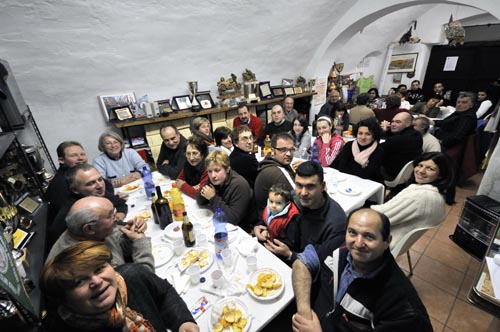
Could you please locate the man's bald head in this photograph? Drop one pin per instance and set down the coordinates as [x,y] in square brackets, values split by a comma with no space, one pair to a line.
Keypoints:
[91,217]
[401,121]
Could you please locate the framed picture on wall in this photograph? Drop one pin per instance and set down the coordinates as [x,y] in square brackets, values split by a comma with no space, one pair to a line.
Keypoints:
[265,90]
[112,101]
[402,63]
[289,91]
[277,91]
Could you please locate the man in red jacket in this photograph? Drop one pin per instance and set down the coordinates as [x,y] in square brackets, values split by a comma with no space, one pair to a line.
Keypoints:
[246,118]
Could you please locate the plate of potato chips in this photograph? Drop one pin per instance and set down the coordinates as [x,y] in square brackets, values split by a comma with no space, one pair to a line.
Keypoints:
[265,284]
[229,315]
[200,256]
[130,188]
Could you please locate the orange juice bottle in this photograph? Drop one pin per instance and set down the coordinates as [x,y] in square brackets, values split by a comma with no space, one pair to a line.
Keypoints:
[178,206]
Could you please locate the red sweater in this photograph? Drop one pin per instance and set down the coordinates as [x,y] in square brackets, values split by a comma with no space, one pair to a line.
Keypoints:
[187,188]
[255,125]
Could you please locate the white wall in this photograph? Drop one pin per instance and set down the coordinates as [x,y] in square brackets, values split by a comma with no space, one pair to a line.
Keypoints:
[65,54]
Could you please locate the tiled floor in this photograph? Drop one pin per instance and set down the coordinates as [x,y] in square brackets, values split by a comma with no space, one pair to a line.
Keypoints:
[443,274]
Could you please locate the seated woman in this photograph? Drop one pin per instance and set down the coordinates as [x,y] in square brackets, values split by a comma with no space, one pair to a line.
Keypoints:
[117,164]
[201,128]
[422,203]
[302,136]
[374,100]
[193,175]
[363,156]
[228,189]
[427,108]
[341,120]
[222,136]
[329,144]
[85,293]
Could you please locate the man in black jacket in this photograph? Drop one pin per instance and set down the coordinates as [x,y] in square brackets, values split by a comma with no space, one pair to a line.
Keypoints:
[359,287]
[242,159]
[172,153]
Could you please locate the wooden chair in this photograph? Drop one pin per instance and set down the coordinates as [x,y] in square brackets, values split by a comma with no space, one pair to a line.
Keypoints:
[404,245]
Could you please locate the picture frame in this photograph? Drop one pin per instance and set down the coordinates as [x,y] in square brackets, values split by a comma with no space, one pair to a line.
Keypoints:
[205,100]
[402,63]
[109,102]
[265,90]
[289,91]
[123,113]
[165,107]
[277,91]
[297,90]
[287,82]
[182,103]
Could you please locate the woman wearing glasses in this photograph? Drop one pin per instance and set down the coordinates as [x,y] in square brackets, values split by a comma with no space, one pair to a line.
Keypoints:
[328,142]
[227,189]
[193,175]
[422,203]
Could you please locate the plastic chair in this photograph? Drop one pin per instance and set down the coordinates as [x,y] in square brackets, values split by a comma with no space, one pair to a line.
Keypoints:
[404,245]
[403,176]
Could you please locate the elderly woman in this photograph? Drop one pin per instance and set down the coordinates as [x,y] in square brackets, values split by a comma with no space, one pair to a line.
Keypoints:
[201,128]
[422,203]
[328,142]
[302,137]
[223,141]
[117,164]
[228,189]
[363,156]
[193,175]
[85,293]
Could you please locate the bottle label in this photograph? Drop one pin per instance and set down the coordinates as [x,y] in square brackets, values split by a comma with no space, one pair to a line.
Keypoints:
[179,209]
[220,240]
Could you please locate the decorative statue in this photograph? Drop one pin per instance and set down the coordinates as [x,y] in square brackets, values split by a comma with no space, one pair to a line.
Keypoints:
[248,76]
[454,32]
[229,86]
[300,81]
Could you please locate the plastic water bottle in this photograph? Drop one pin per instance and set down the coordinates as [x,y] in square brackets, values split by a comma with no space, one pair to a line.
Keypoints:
[147,178]
[315,153]
[220,234]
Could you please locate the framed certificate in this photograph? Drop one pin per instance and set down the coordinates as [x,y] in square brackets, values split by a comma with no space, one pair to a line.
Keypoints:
[289,91]
[265,90]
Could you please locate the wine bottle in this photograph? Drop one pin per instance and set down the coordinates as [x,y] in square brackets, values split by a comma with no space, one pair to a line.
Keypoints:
[153,209]
[187,231]
[162,209]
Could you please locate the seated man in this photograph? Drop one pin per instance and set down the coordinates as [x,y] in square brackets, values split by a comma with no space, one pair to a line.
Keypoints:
[251,121]
[322,220]
[290,112]
[359,287]
[83,180]
[429,142]
[279,124]
[333,104]
[361,111]
[428,108]
[445,95]
[242,159]
[402,144]
[415,94]
[172,153]
[94,218]
[392,107]
[454,130]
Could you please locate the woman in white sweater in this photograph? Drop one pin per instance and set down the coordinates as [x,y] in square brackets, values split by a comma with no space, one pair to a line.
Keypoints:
[422,203]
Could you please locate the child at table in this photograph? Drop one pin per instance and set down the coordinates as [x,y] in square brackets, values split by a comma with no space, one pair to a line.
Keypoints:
[280,215]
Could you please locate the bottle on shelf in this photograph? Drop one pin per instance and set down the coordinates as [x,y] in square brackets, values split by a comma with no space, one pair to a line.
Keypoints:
[267,146]
[220,233]
[163,212]
[178,206]
[315,153]
[147,179]
[187,231]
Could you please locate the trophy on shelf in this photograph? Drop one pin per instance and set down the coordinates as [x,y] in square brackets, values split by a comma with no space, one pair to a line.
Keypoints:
[250,86]
[193,89]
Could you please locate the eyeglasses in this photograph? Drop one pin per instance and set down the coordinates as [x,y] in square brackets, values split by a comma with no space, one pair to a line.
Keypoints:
[246,139]
[285,150]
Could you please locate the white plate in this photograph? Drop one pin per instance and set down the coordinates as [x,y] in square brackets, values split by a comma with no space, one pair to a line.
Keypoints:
[232,303]
[174,230]
[124,189]
[348,190]
[271,294]
[248,246]
[184,262]
[162,253]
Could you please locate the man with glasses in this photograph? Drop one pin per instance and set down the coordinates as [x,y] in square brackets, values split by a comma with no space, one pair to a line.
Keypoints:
[242,159]
[94,218]
[83,180]
[172,153]
[251,121]
[275,168]
[322,220]
[278,125]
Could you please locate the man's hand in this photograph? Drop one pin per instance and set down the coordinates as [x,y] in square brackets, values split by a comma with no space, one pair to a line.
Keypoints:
[189,327]
[135,228]
[301,324]
[261,233]
[296,164]
[165,162]
[278,248]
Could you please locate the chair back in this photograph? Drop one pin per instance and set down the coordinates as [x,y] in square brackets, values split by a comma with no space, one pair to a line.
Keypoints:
[403,175]
[408,240]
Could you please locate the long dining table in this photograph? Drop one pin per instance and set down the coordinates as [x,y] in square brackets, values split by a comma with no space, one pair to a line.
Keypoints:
[258,310]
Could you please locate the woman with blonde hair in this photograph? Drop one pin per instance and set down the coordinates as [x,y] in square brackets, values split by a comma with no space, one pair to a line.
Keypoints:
[117,164]
[201,127]
[85,293]
[227,189]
